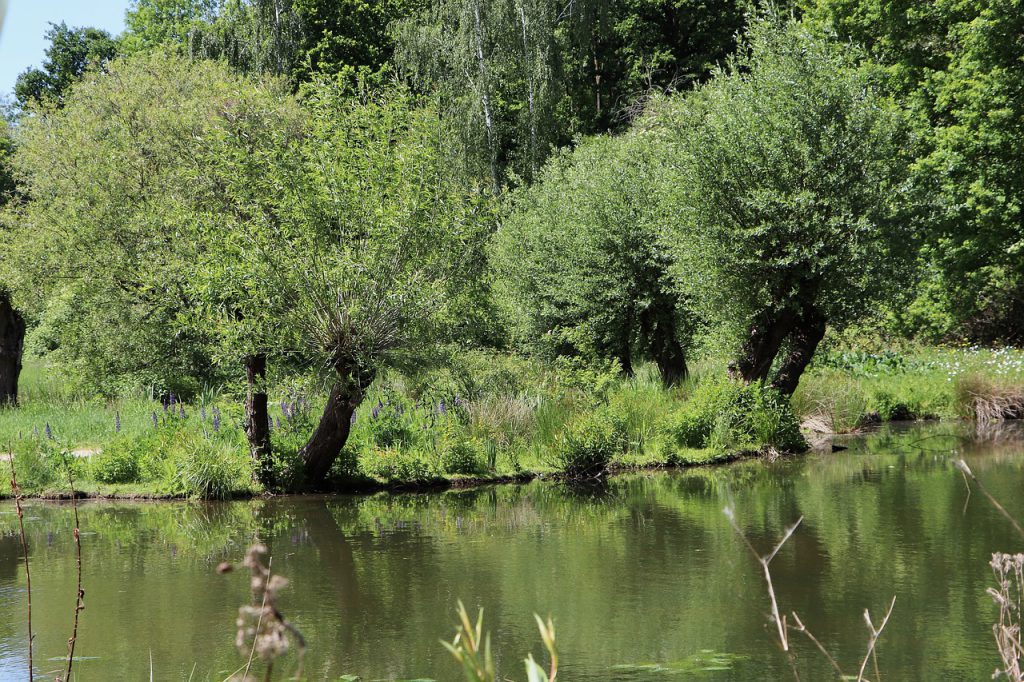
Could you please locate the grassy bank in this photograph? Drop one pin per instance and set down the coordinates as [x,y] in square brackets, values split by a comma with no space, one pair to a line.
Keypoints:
[486,418]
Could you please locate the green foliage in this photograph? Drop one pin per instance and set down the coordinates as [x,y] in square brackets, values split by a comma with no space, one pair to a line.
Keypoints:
[118,462]
[590,442]
[792,180]
[728,416]
[70,53]
[522,79]
[580,264]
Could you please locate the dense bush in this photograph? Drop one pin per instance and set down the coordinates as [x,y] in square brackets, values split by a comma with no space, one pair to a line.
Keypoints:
[590,443]
[118,462]
[724,415]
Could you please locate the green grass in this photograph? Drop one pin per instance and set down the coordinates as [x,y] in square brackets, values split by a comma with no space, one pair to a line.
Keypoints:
[485,417]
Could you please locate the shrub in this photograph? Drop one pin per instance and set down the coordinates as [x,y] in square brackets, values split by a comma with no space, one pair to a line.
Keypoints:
[395,465]
[724,415]
[461,456]
[587,447]
[40,463]
[118,462]
[208,469]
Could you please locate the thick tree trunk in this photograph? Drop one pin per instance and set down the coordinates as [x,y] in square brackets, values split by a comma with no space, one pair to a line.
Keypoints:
[804,340]
[12,343]
[257,416]
[323,447]
[762,346]
[626,360]
[671,359]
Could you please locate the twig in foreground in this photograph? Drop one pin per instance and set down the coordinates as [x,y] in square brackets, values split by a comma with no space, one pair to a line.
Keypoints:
[765,561]
[966,471]
[874,640]
[79,593]
[16,491]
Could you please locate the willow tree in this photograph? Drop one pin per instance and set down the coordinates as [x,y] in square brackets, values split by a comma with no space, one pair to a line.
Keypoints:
[340,240]
[792,171]
[581,265]
[98,253]
[12,324]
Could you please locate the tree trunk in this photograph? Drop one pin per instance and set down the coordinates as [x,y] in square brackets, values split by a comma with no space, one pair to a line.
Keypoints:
[671,359]
[257,416]
[626,360]
[804,340]
[767,334]
[323,447]
[12,343]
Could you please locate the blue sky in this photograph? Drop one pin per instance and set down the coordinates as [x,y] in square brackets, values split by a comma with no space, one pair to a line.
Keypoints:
[21,40]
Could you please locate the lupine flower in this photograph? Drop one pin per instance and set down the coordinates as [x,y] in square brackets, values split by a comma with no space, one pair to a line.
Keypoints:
[170,399]
[277,422]
[441,409]
[181,410]
[155,422]
[165,408]
[117,422]
[376,411]
[49,431]
[202,412]
[216,420]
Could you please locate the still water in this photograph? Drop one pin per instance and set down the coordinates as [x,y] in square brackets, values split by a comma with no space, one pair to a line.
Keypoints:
[644,577]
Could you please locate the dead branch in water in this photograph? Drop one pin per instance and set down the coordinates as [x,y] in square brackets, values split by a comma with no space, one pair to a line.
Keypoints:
[873,640]
[966,471]
[16,491]
[79,592]
[765,560]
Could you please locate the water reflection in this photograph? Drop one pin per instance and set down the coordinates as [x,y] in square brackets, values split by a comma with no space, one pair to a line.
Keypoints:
[644,576]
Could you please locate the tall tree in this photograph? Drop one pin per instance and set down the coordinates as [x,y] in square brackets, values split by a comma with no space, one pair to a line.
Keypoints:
[97,254]
[342,242]
[581,263]
[12,324]
[525,77]
[793,171]
[71,52]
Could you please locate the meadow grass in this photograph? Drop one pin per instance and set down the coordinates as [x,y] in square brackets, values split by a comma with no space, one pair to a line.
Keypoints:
[489,416]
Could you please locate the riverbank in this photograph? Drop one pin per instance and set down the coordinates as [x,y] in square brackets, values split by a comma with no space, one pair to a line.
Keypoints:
[485,419]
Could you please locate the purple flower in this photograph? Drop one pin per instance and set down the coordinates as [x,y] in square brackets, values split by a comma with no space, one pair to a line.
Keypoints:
[441,409]
[181,410]
[170,399]
[376,411]
[202,412]
[49,431]
[277,422]
[216,420]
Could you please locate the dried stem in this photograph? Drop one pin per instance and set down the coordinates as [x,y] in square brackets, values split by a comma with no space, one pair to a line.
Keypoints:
[259,621]
[803,628]
[765,560]
[873,639]
[80,593]
[966,470]
[24,550]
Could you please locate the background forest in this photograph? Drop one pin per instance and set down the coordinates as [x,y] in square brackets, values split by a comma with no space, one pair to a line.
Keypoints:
[304,244]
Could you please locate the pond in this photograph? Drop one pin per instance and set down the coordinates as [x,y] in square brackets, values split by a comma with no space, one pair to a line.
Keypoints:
[645,578]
